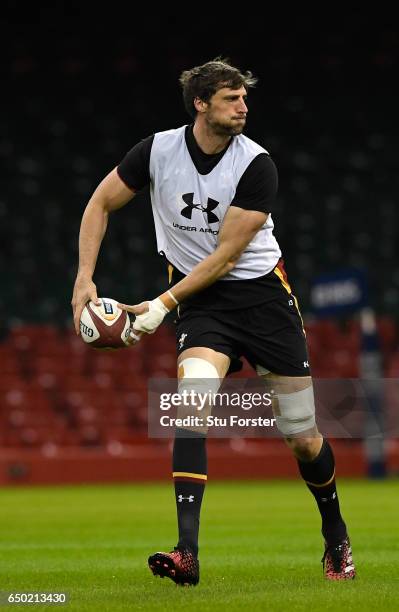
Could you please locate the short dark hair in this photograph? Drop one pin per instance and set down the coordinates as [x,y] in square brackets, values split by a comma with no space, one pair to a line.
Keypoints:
[204,81]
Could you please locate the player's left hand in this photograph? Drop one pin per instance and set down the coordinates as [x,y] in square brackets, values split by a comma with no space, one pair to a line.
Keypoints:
[149,315]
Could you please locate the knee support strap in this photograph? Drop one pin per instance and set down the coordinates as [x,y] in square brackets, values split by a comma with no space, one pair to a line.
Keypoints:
[294,412]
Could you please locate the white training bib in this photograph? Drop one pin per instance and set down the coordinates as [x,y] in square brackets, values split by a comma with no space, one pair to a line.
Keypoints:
[189,207]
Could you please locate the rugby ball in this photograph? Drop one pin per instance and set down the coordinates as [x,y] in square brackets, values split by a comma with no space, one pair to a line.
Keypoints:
[105,326]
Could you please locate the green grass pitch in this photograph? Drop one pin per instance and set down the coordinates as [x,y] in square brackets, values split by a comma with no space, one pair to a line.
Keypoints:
[260,547]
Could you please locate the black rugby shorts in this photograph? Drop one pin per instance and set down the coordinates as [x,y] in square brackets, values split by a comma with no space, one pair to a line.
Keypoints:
[270,334]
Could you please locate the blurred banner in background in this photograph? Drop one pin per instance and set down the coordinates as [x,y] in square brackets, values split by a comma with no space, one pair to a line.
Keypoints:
[339,293]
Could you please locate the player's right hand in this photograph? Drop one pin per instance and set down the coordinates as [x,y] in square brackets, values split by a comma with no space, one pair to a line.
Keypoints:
[149,315]
[83,291]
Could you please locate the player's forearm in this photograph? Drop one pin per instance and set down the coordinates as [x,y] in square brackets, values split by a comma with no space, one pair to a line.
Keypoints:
[150,315]
[92,230]
[204,274]
[238,229]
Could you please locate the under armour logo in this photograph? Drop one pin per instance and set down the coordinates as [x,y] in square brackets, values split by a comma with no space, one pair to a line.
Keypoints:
[306,364]
[188,198]
[326,499]
[181,340]
[189,498]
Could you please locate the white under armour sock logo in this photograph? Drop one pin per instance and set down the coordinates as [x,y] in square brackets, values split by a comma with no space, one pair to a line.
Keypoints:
[180,498]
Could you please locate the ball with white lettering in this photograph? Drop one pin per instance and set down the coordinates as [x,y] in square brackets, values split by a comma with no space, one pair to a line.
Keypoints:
[105,326]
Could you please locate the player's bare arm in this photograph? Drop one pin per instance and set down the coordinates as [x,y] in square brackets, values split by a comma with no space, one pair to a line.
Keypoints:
[238,229]
[111,194]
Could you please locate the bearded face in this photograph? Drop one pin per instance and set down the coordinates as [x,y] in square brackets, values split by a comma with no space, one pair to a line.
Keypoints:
[226,111]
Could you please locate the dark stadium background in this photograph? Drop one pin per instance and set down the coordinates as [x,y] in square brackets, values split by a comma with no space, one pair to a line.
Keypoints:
[80,86]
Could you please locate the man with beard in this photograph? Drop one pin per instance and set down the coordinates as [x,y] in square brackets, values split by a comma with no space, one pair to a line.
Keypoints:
[212,193]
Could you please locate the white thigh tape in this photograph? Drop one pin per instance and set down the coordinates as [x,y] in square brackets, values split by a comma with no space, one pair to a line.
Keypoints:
[194,367]
[199,377]
[294,412]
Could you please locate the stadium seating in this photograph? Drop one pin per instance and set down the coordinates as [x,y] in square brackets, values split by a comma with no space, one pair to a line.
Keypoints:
[56,390]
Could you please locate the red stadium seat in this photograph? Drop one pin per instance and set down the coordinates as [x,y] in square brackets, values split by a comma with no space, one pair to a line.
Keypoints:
[9,360]
[9,382]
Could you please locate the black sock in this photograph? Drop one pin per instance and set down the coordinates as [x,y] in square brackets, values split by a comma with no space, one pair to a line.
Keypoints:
[319,476]
[189,475]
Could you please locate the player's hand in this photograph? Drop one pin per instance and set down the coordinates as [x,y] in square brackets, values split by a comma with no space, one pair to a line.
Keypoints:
[83,291]
[135,335]
[149,315]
